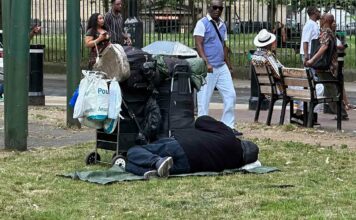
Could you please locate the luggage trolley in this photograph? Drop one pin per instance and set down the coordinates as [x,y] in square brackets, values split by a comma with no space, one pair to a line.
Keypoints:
[176,101]
[128,133]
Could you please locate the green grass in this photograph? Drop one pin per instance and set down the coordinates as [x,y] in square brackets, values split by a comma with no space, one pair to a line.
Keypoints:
[314,183]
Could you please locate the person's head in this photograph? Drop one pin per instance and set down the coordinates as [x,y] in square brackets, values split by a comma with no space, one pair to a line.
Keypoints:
[116,5]
[95,21]
[313,13]
[327,20]
[215,9]
[333,26]
[264,39]
[249,151]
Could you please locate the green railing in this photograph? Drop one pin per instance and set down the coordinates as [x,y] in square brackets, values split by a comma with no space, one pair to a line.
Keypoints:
[175,21]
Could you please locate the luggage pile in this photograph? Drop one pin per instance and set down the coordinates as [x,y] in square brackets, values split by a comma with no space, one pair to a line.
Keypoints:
[157,100]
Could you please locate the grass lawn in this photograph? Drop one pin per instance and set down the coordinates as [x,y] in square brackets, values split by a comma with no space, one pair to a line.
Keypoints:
[314,183]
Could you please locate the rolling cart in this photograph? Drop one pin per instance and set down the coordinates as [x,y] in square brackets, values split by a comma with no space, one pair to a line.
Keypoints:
[128,133]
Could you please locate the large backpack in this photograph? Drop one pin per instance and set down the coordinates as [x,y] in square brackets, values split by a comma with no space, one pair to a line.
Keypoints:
[140,77]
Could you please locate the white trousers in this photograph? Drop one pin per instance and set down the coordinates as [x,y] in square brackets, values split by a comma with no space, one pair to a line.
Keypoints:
[221,79]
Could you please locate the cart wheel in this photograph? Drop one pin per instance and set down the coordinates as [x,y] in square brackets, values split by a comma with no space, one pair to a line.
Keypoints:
[90,159]
[119,160]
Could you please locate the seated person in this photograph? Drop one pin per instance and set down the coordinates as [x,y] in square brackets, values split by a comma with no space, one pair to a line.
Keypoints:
[264,55]
[209,146]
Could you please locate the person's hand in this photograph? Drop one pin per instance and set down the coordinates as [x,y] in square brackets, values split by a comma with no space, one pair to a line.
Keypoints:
[308,63]
[36,29]
[102,36]
[128,41]
[210,68]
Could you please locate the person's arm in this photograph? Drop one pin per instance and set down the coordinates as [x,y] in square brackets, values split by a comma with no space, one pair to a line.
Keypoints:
[317,56]
[34,31]
[199,32]
[306,38]
[199,44]
[284,35]
[306,51]
[90,42]
[227,51]
[226,56]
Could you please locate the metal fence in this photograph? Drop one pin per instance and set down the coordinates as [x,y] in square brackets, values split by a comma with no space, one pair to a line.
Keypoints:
[175,21]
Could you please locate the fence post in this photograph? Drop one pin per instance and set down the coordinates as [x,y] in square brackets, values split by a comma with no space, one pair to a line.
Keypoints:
[16,45]
[73,55]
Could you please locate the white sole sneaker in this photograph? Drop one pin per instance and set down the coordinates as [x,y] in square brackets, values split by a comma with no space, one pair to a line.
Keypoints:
[150,174]
[163,169]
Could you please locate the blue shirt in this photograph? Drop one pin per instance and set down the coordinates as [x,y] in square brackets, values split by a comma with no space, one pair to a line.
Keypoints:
[213,47]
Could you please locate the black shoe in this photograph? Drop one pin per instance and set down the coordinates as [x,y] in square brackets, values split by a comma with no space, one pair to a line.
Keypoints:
[163,166]
[343,118]
[237,133]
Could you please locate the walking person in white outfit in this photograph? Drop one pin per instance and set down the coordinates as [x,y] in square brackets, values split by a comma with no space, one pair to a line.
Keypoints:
[210,35]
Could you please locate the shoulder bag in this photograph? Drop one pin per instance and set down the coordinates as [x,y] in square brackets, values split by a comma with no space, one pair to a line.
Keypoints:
[324,62]
[222,41]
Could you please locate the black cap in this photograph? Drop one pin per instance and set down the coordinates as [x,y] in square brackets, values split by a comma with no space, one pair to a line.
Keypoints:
[250,151]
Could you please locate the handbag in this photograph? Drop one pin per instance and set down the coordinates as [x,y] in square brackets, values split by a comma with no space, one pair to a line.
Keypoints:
[324,61]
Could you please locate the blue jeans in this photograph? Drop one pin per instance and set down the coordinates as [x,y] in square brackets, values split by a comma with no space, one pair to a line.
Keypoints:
[141,159]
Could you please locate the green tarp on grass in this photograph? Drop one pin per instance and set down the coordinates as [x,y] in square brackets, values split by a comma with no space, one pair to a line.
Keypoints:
[118,174]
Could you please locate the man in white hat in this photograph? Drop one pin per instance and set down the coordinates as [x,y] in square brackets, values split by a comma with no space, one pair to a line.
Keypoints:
[264,55]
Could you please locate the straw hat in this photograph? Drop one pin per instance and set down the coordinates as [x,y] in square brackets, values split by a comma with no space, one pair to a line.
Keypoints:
[264,38]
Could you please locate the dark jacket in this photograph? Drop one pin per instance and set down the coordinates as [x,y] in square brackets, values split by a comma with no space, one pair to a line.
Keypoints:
[210,146]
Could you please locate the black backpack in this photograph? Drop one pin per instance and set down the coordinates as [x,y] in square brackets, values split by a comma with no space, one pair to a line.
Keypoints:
[142,68]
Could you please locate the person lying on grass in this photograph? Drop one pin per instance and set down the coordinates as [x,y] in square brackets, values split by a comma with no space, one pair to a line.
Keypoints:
[209,146]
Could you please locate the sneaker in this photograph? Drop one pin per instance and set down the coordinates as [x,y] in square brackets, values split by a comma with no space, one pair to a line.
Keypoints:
[163,166]
[237,133]
[150,174]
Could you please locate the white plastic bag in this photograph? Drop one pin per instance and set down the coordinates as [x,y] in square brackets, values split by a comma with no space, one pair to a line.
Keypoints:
[93,98]
[115,100]
[96,99]
[79,104]
[90,123]
[110,125]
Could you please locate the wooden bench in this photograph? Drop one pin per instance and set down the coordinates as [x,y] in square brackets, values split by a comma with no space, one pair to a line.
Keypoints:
[267,89]
[299,84]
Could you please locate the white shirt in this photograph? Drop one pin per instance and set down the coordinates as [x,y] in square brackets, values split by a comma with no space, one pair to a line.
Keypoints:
[311,31]
[199,29]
